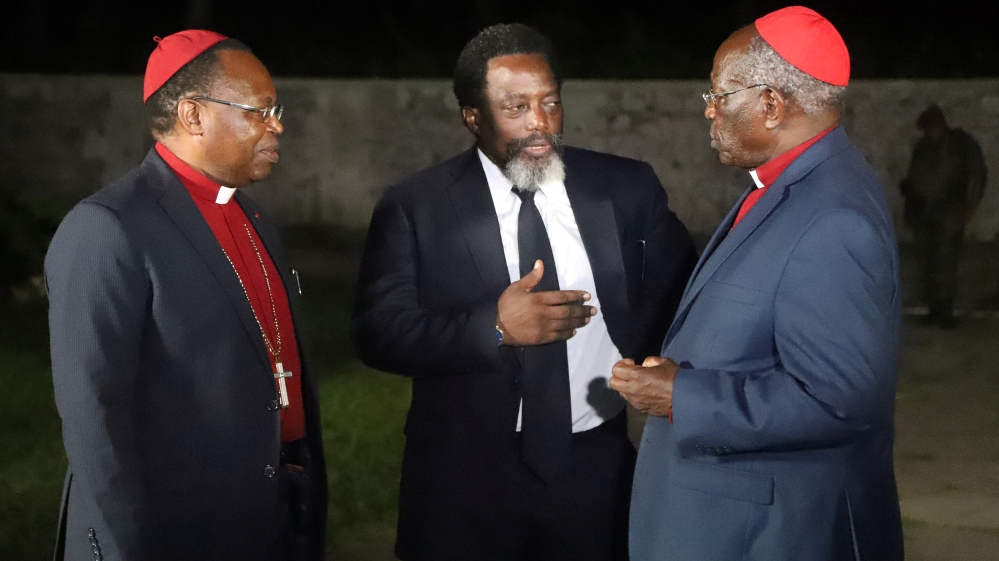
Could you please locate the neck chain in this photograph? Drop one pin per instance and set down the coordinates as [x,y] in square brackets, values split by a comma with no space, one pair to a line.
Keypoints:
[275,347]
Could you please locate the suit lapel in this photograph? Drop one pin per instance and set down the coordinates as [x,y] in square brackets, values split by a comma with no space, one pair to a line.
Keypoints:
[177,203]
[724,242]
[731,240]
[719,247]
[717,237]
[593,208]
[473,205]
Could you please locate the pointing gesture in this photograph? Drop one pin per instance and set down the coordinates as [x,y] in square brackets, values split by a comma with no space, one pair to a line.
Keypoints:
[535,318]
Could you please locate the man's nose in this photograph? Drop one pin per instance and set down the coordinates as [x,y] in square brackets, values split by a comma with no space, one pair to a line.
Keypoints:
[709,111]
[275,125]
[537,119]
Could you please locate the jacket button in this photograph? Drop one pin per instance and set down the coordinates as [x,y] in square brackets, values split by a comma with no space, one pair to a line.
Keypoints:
[269,471]
[272,405]
[91,533]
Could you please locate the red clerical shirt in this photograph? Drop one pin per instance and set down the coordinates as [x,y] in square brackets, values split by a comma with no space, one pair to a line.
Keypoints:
[766,174]
[233,231]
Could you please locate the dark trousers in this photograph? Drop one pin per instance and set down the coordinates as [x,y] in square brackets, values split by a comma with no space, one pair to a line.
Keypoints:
[503,512]
[938,247]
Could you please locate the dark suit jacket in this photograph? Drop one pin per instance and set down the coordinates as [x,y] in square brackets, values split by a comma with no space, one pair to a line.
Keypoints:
[163,382]
[431,276]
[781,442]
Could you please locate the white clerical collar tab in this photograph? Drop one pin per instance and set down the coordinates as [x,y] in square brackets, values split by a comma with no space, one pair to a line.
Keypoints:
[756,179]
[225,195]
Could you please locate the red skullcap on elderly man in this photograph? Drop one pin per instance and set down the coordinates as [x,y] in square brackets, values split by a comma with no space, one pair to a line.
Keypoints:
[809,42]
[172,53]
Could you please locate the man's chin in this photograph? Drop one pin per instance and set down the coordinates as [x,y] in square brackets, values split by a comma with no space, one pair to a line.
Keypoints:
[536,160]
[259,172]
[727,159]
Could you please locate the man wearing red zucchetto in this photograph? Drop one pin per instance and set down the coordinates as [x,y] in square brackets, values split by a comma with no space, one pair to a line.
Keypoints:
[191,427]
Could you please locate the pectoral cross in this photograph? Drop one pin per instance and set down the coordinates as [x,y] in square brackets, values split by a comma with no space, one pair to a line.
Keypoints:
[280,375]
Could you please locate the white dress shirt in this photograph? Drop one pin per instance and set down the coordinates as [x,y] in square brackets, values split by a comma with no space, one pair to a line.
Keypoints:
[591,352]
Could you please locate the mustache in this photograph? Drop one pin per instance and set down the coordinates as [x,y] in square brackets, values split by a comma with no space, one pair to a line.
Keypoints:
[517,145]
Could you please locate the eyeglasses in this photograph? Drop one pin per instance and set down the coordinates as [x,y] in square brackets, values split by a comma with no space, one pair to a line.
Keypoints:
[710,97]
[265,113]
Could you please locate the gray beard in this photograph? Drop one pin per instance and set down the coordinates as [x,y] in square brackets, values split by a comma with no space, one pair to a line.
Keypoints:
[531,175]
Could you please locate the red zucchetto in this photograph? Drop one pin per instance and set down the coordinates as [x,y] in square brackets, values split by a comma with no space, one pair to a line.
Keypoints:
[172,53]
[809,42]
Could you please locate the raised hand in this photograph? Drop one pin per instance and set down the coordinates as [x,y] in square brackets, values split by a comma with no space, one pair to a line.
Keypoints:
[536,318]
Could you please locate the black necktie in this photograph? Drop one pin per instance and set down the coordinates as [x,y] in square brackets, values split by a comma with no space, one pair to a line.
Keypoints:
[546,424]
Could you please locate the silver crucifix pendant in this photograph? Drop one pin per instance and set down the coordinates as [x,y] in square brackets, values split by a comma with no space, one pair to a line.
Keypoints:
[280,375]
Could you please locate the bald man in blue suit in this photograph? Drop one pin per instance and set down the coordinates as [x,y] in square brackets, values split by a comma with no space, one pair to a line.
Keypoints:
[771,409]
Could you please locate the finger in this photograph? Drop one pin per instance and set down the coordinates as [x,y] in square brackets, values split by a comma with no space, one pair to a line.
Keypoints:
[653,361]
[571,311]
[567,323]
[635,402]
[562,297]
[531,279]
[625,369]
[618,385]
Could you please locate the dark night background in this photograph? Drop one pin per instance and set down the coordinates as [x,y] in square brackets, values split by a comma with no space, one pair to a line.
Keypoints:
[947,416]
[411,38]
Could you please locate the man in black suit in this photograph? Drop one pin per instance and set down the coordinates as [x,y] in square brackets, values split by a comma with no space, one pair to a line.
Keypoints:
[191,427]
[506,282]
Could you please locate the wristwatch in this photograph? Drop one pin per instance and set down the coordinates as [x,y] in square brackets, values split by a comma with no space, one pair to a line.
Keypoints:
[499,336]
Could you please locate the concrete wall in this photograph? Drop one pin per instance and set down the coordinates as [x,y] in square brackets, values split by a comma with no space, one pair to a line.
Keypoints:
[63,136]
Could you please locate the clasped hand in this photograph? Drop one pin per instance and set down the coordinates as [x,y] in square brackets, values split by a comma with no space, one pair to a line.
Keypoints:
[649,387]
[536,318]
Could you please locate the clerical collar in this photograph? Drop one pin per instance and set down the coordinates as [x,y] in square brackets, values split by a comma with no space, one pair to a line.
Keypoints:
[195,181]
[765,175]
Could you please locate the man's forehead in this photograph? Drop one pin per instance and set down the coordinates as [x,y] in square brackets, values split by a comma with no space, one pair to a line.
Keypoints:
[513,76]
[517,65]
[244,74]
[731,50]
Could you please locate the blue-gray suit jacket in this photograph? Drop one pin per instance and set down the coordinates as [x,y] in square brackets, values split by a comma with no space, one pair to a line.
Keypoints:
[163,383]
[781,441]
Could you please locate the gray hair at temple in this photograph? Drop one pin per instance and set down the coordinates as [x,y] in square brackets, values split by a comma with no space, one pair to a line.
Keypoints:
[762,65]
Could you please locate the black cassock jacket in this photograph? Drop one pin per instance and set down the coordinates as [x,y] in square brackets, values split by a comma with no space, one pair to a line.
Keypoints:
[432,272]
[164,385]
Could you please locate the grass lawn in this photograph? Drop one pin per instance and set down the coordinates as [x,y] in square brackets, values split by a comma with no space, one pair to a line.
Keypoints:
[32,461]
[363,413]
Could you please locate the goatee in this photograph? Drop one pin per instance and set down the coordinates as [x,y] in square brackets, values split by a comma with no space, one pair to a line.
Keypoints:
[530,173]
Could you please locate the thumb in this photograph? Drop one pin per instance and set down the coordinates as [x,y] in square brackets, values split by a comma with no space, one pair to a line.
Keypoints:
[530,280]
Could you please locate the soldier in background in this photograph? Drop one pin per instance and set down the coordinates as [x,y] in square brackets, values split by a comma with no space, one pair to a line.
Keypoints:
[945,183]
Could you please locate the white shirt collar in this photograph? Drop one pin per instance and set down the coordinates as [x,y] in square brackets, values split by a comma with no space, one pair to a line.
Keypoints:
[225,194]
[756,179]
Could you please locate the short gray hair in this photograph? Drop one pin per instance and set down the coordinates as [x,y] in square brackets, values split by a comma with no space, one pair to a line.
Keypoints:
[762,65]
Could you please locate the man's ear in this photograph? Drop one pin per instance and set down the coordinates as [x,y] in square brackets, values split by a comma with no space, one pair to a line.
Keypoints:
[189,117]
[775,107]
[471,115]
